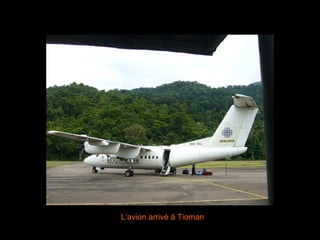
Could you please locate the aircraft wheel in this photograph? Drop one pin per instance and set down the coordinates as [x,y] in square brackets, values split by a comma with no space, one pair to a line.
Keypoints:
[128,173]
[94,170]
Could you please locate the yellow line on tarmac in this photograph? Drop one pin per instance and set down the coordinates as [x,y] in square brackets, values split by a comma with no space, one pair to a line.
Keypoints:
[235,189]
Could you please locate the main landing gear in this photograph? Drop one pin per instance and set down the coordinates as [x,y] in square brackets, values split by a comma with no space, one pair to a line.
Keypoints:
[128,173]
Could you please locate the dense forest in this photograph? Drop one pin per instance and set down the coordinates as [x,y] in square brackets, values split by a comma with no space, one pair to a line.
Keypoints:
[171,113]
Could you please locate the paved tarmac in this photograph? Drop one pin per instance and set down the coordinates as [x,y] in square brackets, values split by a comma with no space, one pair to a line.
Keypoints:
[75,184]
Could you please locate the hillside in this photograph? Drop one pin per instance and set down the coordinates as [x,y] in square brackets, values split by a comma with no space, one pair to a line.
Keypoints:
[171,113]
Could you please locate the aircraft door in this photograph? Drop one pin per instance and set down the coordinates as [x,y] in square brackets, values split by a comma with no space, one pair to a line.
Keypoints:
[166,155]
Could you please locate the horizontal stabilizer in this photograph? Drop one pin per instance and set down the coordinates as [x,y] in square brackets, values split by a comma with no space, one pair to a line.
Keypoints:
[241,101]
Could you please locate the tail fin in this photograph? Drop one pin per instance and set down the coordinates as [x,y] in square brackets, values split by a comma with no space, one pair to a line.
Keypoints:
[235,127]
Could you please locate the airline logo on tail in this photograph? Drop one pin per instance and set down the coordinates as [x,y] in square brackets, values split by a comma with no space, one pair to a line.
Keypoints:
[226,132]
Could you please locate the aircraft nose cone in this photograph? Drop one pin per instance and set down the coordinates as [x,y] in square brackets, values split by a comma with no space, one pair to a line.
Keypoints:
[87,160]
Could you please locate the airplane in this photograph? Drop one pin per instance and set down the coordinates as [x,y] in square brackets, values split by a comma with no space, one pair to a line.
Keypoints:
[228,140]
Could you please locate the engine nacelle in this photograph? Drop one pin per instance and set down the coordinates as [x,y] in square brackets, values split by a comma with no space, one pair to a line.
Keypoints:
[101,149]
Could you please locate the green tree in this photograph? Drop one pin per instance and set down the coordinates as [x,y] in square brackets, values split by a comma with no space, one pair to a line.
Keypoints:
[164,115]
[135,133]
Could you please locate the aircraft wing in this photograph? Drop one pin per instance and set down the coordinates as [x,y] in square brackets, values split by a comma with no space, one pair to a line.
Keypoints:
[95,141]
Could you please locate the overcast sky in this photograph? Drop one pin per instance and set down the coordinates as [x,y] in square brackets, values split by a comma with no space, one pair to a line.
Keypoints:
[235,62]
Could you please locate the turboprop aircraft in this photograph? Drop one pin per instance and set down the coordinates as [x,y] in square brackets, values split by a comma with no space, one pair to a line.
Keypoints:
[228,140]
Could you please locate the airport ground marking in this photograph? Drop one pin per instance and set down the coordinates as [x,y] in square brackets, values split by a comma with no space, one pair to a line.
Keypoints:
[231,188]
[235,189]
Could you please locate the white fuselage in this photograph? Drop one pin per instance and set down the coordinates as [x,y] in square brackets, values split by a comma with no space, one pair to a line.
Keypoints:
[154,159]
